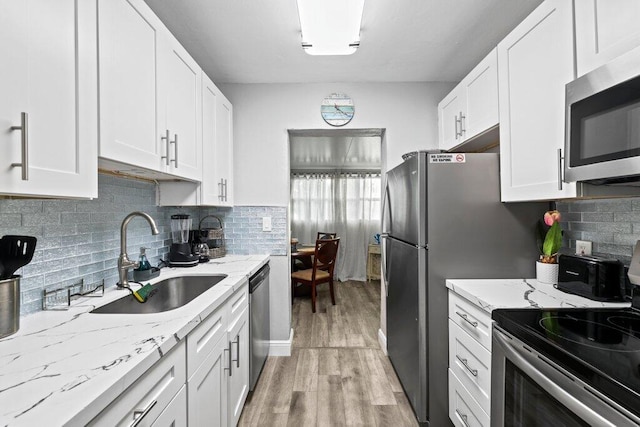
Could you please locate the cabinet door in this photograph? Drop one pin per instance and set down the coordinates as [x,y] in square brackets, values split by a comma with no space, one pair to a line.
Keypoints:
[49,55]
[481,97]
[129,38]
[180,92]
[449,111]
[211,187]
[145,400]
[605,29]
[224,149]
[174,415]
[207,389]
[535,61]
[239,379]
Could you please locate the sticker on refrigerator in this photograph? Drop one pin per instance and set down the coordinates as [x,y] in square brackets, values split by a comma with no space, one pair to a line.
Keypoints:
[447,158]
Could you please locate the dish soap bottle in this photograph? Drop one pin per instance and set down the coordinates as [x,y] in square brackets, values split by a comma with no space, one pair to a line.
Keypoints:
[143,261]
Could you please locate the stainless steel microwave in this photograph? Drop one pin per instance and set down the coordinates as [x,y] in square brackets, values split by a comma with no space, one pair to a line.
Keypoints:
[602,144]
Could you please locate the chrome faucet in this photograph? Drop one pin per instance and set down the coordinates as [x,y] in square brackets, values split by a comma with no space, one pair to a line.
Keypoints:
[124,263]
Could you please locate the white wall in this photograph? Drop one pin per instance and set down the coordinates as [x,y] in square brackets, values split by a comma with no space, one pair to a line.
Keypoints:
[264,112]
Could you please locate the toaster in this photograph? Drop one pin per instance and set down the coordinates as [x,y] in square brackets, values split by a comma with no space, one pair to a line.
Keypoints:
[596,278]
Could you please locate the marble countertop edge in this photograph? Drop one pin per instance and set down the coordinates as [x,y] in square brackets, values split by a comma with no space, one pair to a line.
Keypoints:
[491,294]
[55,341]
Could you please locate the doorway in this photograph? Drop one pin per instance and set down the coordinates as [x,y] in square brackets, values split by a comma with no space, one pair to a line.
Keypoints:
[336,186]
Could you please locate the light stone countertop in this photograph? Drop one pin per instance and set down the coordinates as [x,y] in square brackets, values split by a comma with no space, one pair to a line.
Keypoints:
[490,294]
[64,367]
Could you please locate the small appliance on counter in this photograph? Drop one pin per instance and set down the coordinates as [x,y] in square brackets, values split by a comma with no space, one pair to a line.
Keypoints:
[596,278]
[180,254]
[213,237]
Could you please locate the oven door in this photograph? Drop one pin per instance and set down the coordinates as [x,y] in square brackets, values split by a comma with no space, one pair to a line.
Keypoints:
[529,390]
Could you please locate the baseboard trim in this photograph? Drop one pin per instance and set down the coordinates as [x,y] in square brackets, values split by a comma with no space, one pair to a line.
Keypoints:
[382,340]
[281,347]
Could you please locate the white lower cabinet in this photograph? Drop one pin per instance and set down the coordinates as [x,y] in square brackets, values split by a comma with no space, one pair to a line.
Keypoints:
[218,356]
[464,411]
[148,397]
[203,381]
[239,369]
[207,389]
[469,363]
[175,414]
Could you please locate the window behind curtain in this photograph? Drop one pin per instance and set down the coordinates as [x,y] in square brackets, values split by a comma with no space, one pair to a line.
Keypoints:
[349,204]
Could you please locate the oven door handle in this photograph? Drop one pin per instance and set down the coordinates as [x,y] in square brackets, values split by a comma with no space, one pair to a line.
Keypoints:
[565,398]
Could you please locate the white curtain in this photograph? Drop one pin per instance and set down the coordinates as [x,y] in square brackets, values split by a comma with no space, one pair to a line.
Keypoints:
[348,204]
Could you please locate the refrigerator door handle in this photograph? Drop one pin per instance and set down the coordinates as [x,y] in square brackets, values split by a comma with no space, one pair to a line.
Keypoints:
[385,277]
[386,220]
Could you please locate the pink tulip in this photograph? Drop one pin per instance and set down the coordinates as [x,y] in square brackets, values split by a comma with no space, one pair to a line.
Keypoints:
[551,217]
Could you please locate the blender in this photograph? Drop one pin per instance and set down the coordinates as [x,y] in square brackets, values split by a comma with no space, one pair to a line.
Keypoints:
[180,252]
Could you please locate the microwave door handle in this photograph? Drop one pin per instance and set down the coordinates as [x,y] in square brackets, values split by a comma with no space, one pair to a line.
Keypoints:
[560,169]
[546,384]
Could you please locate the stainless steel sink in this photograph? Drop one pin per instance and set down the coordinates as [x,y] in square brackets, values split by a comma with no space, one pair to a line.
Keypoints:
[172,293]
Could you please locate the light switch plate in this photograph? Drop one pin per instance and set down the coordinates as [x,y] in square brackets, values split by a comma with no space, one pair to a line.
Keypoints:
[583,247]
[266,223]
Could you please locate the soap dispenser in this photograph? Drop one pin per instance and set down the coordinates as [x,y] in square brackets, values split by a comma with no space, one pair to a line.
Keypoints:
[143,261]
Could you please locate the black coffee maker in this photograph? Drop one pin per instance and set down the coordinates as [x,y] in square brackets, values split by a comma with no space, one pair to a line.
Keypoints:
[180,254]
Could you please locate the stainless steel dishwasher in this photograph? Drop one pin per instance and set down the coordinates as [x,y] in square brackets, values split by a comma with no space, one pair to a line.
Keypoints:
[259,336]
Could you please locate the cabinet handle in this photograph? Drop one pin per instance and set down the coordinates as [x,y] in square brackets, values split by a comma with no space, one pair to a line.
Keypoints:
[237,343]
[221,187]
[455,122]
[230,368]
[473,372]
[139,415]
[225,190]
[462,129]
[466,319]
[24,142]
[560,158]
[165,138]
[464,418]
[175,151]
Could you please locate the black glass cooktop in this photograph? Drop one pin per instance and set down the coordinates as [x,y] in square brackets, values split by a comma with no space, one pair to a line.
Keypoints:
[599,346]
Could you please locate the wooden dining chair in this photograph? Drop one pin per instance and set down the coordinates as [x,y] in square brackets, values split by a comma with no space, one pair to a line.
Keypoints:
[324,262]
[326,235]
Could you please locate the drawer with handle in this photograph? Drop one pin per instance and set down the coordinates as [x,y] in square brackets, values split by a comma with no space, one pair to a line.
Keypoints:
[472,319]
[464,411]
[471,363]
[146,399]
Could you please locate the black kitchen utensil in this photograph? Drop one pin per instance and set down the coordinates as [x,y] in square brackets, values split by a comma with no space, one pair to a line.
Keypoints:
[15,252]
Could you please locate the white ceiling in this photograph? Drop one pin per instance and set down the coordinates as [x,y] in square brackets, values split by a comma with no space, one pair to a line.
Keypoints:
[258,41]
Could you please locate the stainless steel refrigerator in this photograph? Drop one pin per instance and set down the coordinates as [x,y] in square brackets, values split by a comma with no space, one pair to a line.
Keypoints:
[443,219]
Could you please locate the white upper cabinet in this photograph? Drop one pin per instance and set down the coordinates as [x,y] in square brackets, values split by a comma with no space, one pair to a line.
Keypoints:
[149,94]
[216,186]
[48,102]
[535,62]
[179,88]
[449,112]
[605,29]
[223,156]
[129,35]
[472,107]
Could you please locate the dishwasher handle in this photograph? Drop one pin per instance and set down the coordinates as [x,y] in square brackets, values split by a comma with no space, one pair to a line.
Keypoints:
[257,279]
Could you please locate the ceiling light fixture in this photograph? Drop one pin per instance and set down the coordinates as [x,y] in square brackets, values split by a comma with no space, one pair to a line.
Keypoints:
[330,27]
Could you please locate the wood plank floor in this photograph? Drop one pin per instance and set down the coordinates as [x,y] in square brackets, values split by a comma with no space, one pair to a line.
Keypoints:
[336,375]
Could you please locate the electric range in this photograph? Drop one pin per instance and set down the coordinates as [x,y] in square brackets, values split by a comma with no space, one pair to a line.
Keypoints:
[580,362]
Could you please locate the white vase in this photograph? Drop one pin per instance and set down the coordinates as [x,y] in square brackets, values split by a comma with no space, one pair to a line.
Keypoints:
[547,273]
